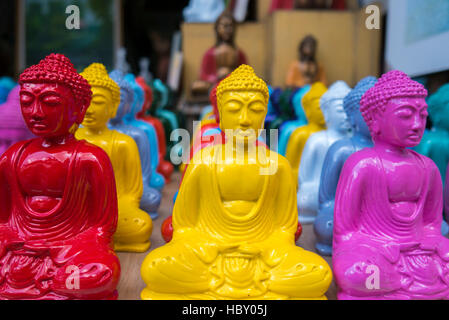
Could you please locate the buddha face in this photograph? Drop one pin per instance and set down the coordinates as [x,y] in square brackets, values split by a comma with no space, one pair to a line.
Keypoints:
[336,117]
[244,112]
[314,113]
[403,122]
[49,109]
[225,29]
[125,104]
[359,124]
[100,109]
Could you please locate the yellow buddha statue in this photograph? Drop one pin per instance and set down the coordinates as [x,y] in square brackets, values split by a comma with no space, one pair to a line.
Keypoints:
[315,118]
[134,225]
[235,216]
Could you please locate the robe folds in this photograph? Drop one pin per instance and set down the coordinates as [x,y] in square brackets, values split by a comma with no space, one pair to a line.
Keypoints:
[39,251]
[409,251]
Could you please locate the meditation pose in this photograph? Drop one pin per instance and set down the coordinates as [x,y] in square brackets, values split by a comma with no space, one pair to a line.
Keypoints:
[315,118]
[306,69]
[134,225]
[220,60]
[338,127]
[58,199]
[335,158]
[151,198]
[12,126]
[157,180]
[238,242]
[388,207]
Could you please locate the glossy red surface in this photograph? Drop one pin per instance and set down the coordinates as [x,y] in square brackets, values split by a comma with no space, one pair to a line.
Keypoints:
[167,229]
[58,196]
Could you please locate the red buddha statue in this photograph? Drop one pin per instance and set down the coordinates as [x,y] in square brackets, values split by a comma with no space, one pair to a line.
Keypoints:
[165,167]
[221,59]
[58,198]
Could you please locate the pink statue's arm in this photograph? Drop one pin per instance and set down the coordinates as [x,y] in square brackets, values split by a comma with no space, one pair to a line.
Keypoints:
[433,214]
[349,195]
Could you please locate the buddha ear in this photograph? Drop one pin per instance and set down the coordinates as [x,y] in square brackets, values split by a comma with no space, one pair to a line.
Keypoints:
[82,112]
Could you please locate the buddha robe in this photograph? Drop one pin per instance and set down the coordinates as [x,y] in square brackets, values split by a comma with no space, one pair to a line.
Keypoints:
[134,225]
[38,251]
[209,66]
[217,254]
[407,249]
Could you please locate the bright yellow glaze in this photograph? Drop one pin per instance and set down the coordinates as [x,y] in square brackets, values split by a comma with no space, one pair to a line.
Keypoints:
[134,225]
[234,228]
[315,117]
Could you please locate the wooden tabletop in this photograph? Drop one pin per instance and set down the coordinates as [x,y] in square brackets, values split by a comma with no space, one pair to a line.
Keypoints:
[131,283]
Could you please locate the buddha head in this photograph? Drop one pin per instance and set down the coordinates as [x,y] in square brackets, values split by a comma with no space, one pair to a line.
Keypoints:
[105,97]
[139,95]
[225,27]
[126,95]
[307,48]
[439,107]
[242,100]
[395,110]
[53,97]
[351,104]
[332,106]
[311,104]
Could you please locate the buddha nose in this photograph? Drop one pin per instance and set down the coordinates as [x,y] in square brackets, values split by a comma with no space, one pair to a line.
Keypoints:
[37,112]
[245,121]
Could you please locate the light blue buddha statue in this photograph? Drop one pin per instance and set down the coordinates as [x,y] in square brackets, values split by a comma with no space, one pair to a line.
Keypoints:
[289,126]
[435,142]
[6,85]
[338,127]
[157,180]
[151,198]
[206,11]
[333,163]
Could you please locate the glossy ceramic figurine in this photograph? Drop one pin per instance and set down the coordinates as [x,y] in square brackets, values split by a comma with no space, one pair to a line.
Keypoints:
[387,240]
[316,122]
[151,198]
[157,180]
[223,57]
[134,225]
[58,196]
[289,127]
[165,167]
[435,142]
[12,126]
[238,241]
[338,127]
[305,70]
[335,158]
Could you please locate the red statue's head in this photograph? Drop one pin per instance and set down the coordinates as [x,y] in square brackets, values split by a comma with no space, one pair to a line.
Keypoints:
[53,97]
[148,94]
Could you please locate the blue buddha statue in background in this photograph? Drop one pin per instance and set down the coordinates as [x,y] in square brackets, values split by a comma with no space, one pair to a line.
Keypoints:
[333,163]
[312,158]
[151,198]
[435,142]
[157,180]
[6,85]
[289,126]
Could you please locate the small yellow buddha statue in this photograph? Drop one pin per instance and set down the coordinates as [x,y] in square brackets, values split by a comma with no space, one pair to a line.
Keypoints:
[234,219]
[134,225]
[316,122]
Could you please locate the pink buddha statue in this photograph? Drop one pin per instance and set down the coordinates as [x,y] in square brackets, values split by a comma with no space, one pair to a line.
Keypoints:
[12,126]
[389,201]
[58,198]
